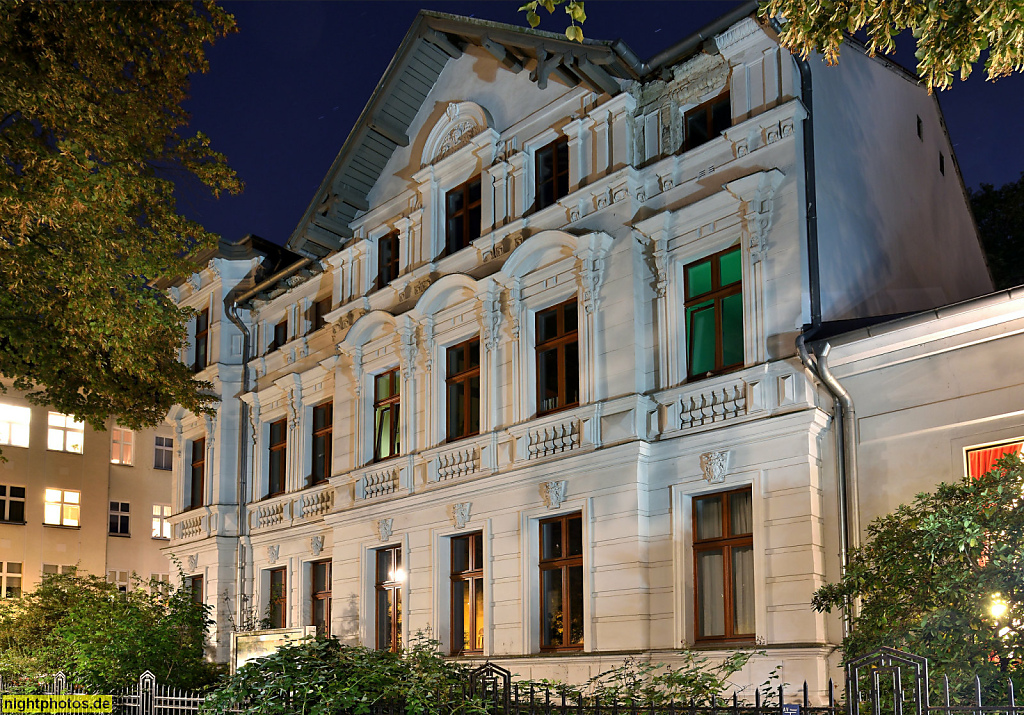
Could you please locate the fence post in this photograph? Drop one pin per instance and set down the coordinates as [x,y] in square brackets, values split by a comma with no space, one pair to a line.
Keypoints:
[147,694]
[60,683]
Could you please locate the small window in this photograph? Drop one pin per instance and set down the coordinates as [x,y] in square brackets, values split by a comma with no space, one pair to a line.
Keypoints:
[558,358]
[197,474]
[119,522]
[163,453]
[159,583]
[320,597]
[54,569]
[723,556]
[462,213]
[161,527]
[552,172]
[10,574]
[462,386]
[14,424]
[468,594]
[280,336]
[12,504]
[386,403]
[707,121]
[388,586]
[121,441]
[323,428]
[278,453]
[202,340]
[320,310]
[942,163]
[65,433]
[278,599]
[62,507]
[714,314]
[194,584]
[982,460]
[920,129]
[561,582]
[119,578]
[387,259]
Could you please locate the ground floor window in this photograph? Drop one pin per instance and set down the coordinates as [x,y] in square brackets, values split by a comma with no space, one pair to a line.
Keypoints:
[561,582]
[278,599]
[468,594]
[723,564]
[320,596]
[388,587]
[981,460]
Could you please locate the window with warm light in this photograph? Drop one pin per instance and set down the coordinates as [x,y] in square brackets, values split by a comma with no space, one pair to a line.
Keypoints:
[62,507]
[468,594]
[121,441]
[723,555]
[388,587]
[161,527]
[982,460]
[64,433]
[14,425]
[119,519]
[12,504]
[561,582]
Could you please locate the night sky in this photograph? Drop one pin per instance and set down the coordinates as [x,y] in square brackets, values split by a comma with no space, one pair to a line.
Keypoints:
[283,93]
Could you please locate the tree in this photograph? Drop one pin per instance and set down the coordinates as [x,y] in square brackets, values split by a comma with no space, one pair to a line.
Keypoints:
[943,577]
[999,214]
[91,135]
[950,35]
[102,638]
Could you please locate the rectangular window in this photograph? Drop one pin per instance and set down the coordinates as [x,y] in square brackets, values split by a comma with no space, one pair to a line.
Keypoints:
[982,460]
[552,165]
[161,527]
[159,583]
[462,389]
[194,584]
[197,474]
[120,579]
[387,259]
[323,429]
[14,423]
[320,596]
[561,582]
[714,314]
[61,507]
[64,433]
[280,336]
[12,504]
[278,452]
[54,569]
[558,358]
[386,402]
[163,453]
[468,594]
[723,565]
[278,599]
[462,213]
[119,518]
[202,340]
[320,310]
[121,441]
[10,573]
[707,121]
[389,578]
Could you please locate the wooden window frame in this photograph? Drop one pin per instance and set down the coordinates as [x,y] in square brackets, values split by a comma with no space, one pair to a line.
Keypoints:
[195,588]
[717,293]
[471,576]
[326,433]
[318,596]
[393,405]
[470,232]
[559,342]
[725,545]
[559,174]
[280,330]
[198,465]
[278,601]
[563,563]
[202,338]
[319,312]
[395,586]
[466,377]
[707,109]
[277,451]
[387,270]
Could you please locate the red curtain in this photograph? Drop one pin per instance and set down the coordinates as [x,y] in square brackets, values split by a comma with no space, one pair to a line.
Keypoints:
[981,461]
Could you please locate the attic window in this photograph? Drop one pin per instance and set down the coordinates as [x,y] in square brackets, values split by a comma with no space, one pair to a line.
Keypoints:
[387,259]
[552,172]
[280,336]
[707,121]
[462,211]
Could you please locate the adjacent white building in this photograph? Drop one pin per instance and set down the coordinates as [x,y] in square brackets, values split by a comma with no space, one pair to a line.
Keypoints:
[527,377]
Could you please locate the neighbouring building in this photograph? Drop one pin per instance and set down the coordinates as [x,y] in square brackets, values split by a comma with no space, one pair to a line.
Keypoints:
[526,375]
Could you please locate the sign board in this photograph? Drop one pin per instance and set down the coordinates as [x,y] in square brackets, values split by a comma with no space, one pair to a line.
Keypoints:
[790,710]
[251,645]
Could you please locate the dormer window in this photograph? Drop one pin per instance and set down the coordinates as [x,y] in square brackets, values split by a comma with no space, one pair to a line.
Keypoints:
[387,259]
[280,336]
[707,121]
[462,213]
[320,310]
[552,172]
[202,339]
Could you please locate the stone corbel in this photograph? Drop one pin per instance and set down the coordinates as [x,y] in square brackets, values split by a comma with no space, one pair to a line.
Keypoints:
[756,194]
[591,252]
[490,317]
[407,347]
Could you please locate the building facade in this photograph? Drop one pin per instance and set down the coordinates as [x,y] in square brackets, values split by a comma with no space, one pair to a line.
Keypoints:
[526,376]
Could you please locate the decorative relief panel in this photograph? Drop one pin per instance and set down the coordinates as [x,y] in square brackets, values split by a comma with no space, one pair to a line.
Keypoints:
[317,503]
[715,465]
[553,439]
[316,545]
[554,492]
[460,514]
[713,405]
[458,463]
[382,483]
[384,528]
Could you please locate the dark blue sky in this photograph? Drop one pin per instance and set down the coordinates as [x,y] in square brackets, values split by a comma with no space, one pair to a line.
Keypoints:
[284,91]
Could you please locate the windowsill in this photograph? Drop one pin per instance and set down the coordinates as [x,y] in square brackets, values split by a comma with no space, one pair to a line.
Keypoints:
[725,644]
[63,451]
[19,446]
[187,509]
[160,538]
[121,464]
[163,469]
[555,411]
[122,536]
[61,526]
[570,650]
[13,523]
[716,373]
[449,441]
[265,497]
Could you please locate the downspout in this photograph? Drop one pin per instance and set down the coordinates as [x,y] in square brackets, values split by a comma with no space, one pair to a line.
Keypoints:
[244,550]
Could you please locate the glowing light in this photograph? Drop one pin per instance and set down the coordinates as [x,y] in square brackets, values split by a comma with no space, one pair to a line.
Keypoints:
[998,607]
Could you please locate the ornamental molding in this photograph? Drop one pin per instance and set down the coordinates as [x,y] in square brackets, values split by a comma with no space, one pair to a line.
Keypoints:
[554,492]
[193,562]
[715,465]
[384,528]
[316,545]
[460,514]
[273,553]
[461,122]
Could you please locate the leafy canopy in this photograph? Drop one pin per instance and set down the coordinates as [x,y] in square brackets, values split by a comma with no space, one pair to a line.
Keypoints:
[935,576]
[999,214]
[91,135]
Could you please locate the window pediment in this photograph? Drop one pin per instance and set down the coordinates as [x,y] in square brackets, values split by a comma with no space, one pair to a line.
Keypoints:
[461,122]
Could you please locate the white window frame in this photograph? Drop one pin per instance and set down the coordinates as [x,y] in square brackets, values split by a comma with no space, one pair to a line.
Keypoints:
[66,506]
[15,424]
[121,579]
[65,428]
[7,499]
[7,574]
[122,440]
[161,513]
[159,449]
[123,509]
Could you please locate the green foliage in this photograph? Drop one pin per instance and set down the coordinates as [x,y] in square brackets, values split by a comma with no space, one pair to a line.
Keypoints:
[928,574]
[90,138]
[322,677]
[102,638]
[950,35]
[999,214]
[573,8]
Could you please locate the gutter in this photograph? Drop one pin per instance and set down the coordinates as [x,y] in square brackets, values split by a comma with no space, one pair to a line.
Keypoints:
[685,47]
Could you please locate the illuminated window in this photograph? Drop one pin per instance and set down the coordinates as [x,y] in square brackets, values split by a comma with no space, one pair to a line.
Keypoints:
[714,314]
[982,460]
[10,575]
[161,527]
[14,423]
[121,446]
[12,504]
[723,554]
[561,582]
[462,385]
[468,594]
[558,358]
[388,586]
[65,433]
[163,453]
[278,599]
[119,521]
[61,507]
[323,426]
[278,452]
[320,596]
[386,403]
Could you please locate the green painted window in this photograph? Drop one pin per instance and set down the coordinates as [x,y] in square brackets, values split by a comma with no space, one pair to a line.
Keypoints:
[714,314]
